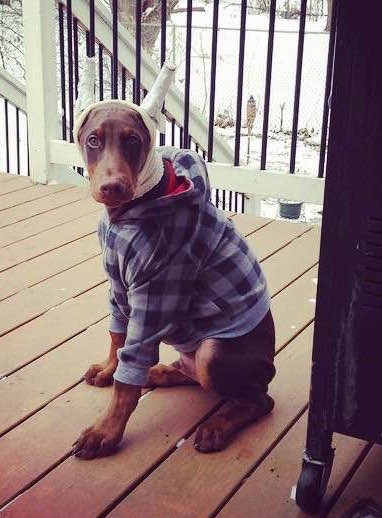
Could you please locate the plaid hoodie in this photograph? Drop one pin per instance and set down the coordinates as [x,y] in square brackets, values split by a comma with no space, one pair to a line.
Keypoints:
[179,272]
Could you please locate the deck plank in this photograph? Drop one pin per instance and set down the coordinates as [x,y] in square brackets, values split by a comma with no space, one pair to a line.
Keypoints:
[205,475]
[365,484]
[42,205]
[40,268]
[274,237]
[32,302]
[295,259]
[51,239]
[36,224]
[73,358]
[15,184]
[246,224]
[53,328]
[33,193]
[272,481]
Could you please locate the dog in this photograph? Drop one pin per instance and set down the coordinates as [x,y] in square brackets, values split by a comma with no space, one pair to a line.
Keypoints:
[180,273]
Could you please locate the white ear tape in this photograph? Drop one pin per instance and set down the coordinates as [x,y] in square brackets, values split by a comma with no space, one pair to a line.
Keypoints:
[153,102]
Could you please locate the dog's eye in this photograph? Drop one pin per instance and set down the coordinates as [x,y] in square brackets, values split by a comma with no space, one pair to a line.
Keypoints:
[132,141]
[93,141]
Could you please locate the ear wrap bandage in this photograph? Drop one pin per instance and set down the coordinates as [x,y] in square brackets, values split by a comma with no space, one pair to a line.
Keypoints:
[150,111]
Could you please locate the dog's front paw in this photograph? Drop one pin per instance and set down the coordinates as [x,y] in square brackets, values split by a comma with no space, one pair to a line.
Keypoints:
[101,374]
[212,435]
[97,441]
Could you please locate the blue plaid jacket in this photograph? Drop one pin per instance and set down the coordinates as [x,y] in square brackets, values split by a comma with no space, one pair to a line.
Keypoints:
[179,272]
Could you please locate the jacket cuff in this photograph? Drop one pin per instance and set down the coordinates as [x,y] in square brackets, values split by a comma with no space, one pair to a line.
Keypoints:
[117,325]
[131,375]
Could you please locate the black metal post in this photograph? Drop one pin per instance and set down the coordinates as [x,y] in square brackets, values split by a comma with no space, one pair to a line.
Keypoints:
[215,18]
[297,90]
[240,82]
[6,121]
[100,71]
[187,76]
[69,23]
[18,140]
[62,67]
[123,86]
[114,73]
[163,39]
[91,50]
[328,86]
[138,45]
[75,53]
[268,79]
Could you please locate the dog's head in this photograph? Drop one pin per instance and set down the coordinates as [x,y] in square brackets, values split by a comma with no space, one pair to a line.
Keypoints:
[115,143]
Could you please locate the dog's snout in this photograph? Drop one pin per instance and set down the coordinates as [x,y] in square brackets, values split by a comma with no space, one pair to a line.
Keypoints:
[113,190]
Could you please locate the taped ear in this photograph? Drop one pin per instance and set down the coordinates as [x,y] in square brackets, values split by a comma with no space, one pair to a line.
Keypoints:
[153,102]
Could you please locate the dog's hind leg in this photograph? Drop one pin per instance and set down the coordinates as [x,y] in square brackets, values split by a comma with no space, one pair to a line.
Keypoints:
[168,376]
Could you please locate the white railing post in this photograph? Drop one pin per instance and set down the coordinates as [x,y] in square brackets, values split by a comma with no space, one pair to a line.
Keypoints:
[41,88]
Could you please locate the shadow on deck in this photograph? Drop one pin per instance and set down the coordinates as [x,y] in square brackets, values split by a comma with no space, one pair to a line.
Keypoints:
[53,323]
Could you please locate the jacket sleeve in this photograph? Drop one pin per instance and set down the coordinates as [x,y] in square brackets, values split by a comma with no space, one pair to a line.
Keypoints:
[159,293]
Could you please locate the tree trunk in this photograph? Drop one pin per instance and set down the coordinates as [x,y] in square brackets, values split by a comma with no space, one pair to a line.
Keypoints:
[151,19]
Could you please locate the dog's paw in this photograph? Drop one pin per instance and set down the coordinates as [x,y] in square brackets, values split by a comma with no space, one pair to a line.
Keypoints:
[212,435]
[97,441]
[100,374]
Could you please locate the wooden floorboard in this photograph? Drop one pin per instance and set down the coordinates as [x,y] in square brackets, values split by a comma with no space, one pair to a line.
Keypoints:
[36,224]
[41,205]
[25,195]
[53,318]
[47,240]
[364,485]
[51,329]
[15,184]
[40,268]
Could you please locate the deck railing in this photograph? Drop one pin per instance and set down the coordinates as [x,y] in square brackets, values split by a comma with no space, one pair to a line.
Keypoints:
[126,70]
[14,149]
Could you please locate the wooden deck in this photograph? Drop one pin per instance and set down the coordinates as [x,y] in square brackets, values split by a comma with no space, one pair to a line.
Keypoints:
[53,323]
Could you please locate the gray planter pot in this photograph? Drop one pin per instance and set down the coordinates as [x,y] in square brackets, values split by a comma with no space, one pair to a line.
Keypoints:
[290,209]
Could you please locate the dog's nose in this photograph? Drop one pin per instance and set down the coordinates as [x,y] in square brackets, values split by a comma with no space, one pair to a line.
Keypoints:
[113,190]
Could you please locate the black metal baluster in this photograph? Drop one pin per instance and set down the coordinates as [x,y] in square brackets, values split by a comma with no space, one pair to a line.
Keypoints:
[187,76]
[18,140]
[62,68]
[328,86]
[210,148]
[240,80]
[75,53]
[69,27]
[114,60]
[181,137]
[28,164]
[268,79]
[123,87]
[100,71]
[297,90]
[91,49]
[6,121]
[138,45]
[163,38]
[172,132]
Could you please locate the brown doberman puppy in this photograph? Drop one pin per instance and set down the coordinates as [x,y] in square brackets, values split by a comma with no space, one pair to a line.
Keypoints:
[115,143]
